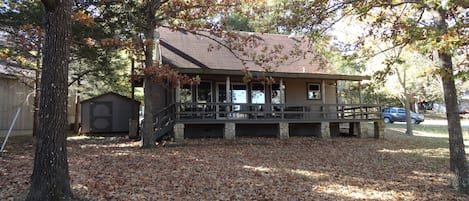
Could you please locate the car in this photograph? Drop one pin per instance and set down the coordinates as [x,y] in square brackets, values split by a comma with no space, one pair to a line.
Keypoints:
[397,114]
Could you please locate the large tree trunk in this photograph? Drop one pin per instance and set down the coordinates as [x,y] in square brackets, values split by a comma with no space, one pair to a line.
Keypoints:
[408,120]
[148,137]
[154,96]
[50,179]
[458,161]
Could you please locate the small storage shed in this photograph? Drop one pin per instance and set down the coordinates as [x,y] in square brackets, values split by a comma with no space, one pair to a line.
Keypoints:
[108,113]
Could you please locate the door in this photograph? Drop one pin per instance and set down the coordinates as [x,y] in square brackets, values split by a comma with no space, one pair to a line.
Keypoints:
[101,116]
[238,95]
[221,98]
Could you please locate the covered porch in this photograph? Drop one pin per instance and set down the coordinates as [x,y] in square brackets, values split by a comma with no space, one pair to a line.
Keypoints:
[224,105]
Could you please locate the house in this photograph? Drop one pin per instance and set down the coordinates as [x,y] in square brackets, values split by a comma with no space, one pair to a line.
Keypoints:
[16,100]
[257,85]
[108,113]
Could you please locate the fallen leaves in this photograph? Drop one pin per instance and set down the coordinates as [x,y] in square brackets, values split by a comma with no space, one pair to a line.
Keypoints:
[244,169]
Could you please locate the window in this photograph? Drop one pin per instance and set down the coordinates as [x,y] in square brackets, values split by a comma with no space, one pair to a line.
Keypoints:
[238,95]
[257,93]
[185,94]
[314,91]
[204,92]
[275,93]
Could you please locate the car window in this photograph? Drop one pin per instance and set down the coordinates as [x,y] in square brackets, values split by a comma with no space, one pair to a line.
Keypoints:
[401,111]
[393,110]
[386,110]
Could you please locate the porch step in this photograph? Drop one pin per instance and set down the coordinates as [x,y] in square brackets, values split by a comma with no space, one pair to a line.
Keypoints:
[165,129]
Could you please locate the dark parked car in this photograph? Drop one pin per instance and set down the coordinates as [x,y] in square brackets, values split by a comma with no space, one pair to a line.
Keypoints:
[392,114]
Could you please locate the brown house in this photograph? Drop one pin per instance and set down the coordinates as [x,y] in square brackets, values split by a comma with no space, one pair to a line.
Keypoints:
[255,85]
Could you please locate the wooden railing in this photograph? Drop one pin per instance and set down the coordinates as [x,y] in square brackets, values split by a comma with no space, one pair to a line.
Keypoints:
[290,112]
[164,121]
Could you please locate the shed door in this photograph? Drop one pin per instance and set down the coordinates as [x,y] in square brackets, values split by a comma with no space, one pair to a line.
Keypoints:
[101,116]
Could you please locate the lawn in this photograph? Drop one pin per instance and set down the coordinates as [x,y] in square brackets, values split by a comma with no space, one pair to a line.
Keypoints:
[307,168]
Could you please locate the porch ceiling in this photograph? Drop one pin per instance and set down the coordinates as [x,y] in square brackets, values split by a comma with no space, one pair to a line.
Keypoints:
[320,76]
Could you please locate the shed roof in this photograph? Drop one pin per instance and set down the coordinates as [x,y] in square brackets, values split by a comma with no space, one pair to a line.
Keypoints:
[205,52]
[110,94]
[11,70]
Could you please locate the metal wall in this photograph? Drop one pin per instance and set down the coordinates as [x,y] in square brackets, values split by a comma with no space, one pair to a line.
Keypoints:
[13,95]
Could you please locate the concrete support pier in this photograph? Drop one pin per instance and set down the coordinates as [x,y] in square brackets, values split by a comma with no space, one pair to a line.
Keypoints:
[179,132]
[283,130]
[230,131]
[325,130]
[379,129]
[363,132]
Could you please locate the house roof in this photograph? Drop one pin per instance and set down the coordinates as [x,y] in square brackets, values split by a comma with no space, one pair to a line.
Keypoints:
[110,94]
[10,70]
[204,52]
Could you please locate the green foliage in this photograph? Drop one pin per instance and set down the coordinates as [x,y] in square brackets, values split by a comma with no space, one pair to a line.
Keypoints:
[98,67]
[236,22]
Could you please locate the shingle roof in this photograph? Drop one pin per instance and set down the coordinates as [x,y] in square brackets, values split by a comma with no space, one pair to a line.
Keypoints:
[110,94]
[12,70]
[201,51]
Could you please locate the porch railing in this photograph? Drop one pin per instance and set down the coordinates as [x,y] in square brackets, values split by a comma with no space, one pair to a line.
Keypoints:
[164,121]
[249,111]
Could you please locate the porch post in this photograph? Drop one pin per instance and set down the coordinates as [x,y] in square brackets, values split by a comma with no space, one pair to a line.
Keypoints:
[228,90]
[228,96]
[323,97]
[283,130]
[360,92]
[178,92]
[282,98]
[229,131]
[282,92]
[361,98]
[178,97]
[178,132]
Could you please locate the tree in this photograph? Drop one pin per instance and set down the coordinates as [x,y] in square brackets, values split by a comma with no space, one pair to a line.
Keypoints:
[236,22]
[50,179]
[437,28]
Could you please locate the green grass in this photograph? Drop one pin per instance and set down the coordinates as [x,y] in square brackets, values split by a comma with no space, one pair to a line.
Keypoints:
[428,129]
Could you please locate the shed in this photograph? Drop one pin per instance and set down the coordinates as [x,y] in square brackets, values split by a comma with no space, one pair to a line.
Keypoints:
[15,96]
[108,113]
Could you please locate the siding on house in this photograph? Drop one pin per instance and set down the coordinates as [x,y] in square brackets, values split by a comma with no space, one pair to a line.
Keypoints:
[13,95]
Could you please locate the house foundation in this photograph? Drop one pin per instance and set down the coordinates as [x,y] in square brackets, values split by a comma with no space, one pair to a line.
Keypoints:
[179,132]
[229,131]
[325,130]
[363,126]
[283,130]
[378,129]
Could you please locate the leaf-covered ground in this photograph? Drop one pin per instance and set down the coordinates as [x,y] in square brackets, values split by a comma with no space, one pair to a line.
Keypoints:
[307,168]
